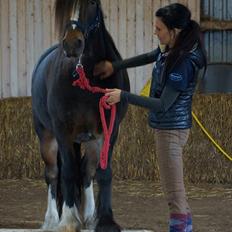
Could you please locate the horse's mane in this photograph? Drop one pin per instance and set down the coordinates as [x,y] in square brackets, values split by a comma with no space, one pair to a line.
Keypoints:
[108,40]
[111,45]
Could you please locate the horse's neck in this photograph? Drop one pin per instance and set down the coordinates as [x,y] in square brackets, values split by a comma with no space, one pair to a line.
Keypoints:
[63,66]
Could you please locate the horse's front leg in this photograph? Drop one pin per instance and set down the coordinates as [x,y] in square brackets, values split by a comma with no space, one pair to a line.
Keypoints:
[105,220]
[88,170]
[49,151]
[70,219]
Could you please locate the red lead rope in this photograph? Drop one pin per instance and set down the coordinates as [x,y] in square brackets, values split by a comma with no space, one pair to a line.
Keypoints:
[83,83]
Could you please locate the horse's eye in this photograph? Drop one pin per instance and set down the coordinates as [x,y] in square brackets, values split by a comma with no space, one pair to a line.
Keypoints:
[92,2]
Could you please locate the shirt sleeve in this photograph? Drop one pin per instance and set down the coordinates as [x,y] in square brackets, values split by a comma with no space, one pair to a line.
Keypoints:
[181,75]
[140,60]
[162,104]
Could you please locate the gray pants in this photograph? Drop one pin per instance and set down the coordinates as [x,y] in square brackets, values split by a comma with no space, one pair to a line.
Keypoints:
[169,147]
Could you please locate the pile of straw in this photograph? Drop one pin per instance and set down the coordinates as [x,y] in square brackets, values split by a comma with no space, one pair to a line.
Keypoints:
[134,154]
[19,156]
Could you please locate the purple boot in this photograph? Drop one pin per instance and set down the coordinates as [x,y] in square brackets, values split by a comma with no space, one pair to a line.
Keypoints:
[178,223]
[189,223]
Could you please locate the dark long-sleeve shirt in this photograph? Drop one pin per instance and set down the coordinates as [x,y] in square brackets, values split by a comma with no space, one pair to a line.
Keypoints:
[168,96]
[136,61]
[162,104]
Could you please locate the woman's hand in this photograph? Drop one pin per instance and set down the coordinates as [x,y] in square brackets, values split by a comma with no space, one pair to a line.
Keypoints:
[114,96]
[103,69]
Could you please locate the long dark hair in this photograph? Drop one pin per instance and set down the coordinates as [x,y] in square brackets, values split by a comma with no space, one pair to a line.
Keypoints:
[179,16]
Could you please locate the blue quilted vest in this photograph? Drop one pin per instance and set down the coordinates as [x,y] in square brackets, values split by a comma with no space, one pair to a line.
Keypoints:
[178,116]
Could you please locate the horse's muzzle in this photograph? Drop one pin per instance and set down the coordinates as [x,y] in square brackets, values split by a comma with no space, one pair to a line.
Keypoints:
[73,43]
[74,48]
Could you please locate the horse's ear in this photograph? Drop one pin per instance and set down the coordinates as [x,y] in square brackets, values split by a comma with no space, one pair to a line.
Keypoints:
[99,3]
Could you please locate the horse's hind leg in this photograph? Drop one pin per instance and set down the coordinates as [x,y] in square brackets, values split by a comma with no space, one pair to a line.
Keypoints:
[49,151]
[70,219]
[105,219]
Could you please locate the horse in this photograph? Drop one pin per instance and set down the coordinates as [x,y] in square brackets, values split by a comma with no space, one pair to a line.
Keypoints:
[68,123]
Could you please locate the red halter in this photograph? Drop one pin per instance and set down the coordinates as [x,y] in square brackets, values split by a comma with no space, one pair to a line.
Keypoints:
[83,83]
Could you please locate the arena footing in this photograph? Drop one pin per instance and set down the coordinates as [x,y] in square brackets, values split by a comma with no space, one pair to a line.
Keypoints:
[40,230]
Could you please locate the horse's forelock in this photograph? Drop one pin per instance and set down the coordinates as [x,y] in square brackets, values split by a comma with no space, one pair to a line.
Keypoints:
[63,12]
[66,10]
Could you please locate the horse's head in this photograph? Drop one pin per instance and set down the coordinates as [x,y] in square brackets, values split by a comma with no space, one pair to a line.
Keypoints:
[82,17]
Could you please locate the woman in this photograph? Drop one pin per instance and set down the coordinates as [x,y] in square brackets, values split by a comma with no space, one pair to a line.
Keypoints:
[174,79]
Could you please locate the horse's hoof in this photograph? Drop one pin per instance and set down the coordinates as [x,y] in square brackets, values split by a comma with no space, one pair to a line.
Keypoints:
[106,225]
[48,227]
[90,224]
[50,223]
[68,228]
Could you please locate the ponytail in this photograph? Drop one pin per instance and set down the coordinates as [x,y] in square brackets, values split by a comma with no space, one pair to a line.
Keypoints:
[178,16]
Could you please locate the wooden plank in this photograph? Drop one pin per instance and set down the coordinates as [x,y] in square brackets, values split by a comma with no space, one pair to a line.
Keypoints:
[229,42]
[37,30]
[165,2]
[194,7]
[106,12]
[148,36]
[184,2]
[122,42]
[215,25]
[172,1]
[156,6]
[54,35]
[225,47]
[198,11]
[5,47]
[13,48]
[46,24]
[114,20]
[139,43]
[131,34]
[30,42]
[22,77]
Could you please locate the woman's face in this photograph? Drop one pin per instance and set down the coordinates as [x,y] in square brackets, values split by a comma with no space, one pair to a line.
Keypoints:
[165,36]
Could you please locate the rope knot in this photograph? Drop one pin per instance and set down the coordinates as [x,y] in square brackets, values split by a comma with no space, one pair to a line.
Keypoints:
[104,103]
[84,84]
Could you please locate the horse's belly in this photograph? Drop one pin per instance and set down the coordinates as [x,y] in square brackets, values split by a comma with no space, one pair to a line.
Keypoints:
[85,137]
[87,126]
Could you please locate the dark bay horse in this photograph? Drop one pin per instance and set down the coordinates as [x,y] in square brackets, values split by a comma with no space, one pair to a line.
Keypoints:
[67,119]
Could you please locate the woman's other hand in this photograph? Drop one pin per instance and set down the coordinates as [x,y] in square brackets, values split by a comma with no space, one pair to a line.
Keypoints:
[114,96]
[103,69]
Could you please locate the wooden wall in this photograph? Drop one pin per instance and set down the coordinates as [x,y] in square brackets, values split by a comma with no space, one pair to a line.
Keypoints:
[27,29]
[216,19]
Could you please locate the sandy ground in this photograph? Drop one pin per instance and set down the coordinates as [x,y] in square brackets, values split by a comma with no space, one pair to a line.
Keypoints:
[136,205]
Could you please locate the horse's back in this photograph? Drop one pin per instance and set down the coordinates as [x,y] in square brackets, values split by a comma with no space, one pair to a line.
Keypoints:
[39,89]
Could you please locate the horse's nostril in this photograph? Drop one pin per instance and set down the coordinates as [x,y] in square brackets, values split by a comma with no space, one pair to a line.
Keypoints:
[79,43]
